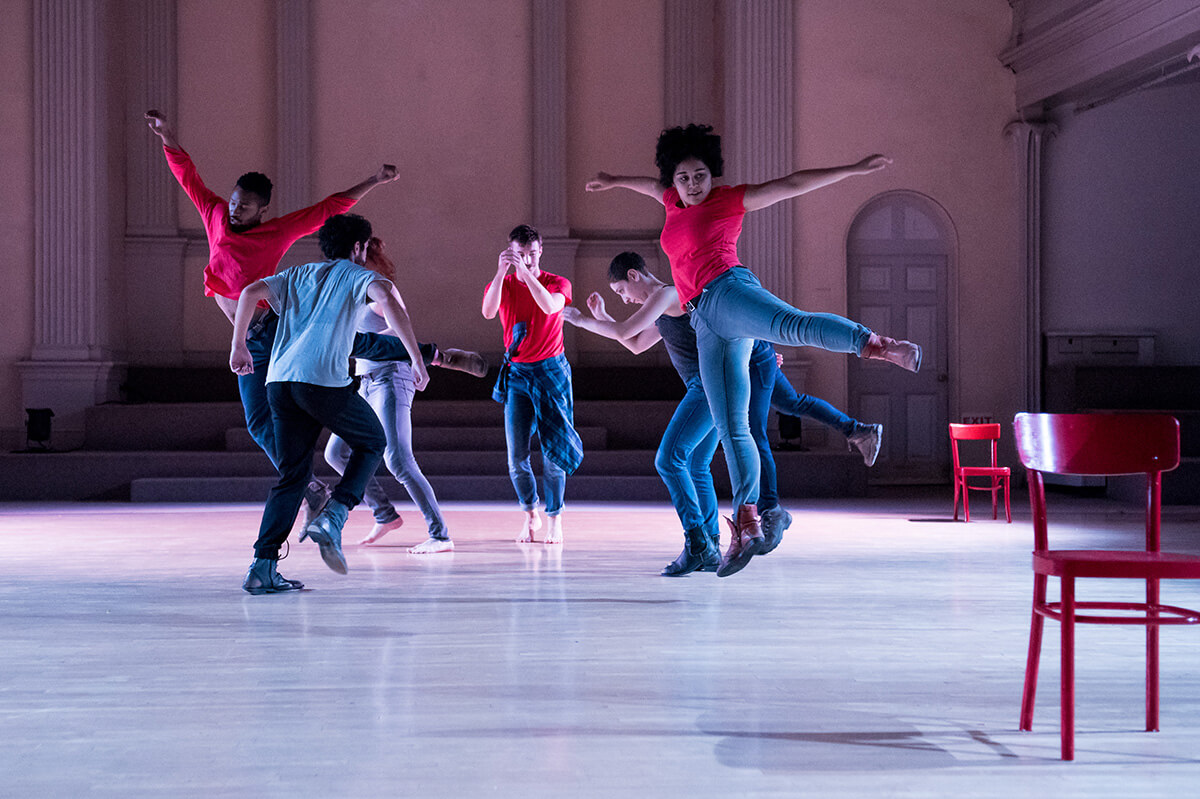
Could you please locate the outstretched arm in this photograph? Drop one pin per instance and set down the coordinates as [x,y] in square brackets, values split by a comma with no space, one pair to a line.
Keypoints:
[642,185]
[386,174]
[762,195]
[637,333]
[388,300]
[160,128]
[240,361]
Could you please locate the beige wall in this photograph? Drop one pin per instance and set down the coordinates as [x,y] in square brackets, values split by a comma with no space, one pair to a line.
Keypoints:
[16,212]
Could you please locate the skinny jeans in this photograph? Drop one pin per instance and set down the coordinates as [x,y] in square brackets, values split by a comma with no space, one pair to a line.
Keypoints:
[684,457]
[731,312]
[389,390]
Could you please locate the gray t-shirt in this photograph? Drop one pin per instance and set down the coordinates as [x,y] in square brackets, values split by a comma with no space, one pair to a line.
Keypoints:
[318,308]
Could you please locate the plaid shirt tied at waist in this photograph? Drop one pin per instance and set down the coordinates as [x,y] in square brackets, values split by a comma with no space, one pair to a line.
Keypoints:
[548,384]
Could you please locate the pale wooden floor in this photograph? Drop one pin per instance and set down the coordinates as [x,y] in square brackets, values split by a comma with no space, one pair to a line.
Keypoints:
[878,652]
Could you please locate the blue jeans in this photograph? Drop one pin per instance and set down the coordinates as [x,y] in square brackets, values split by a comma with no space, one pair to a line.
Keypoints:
[684,461]
[787,400]
[389,390]
[688,444]
[763,371]
[300,411]
[519,426]
[732,311]
[252,388]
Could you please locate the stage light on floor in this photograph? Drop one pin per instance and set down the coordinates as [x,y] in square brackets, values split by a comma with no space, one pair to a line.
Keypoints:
[37,428]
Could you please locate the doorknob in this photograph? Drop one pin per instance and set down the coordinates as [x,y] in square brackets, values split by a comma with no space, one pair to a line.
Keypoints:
[943,378]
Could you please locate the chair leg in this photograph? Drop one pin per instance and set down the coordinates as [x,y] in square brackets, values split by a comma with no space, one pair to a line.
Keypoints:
[956,481]
[995,488]
[1007,506]
[966,500]
[1031,671]
[1068,668]
[1035,654]
[1152,597]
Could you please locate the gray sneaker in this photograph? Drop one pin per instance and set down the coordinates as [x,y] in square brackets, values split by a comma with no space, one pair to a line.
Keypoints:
[774,521]
[866,438]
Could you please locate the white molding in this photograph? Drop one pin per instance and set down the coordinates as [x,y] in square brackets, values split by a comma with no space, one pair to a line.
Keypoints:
[1094,48]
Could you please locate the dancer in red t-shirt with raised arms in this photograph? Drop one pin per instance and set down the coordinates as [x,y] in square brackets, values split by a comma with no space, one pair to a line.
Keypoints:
[729,307]
[245,246]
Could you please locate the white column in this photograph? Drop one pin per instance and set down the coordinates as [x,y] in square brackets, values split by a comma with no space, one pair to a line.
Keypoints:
[549,27]
[293,92]
[69,367]
[154,249]
[690,63]
[759,118]
[1029,139]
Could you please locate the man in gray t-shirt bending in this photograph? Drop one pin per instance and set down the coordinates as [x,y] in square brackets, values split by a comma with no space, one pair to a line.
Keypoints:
[309,387]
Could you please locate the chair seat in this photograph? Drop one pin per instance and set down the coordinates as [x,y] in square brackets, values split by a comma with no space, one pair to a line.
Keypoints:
[984,471]
[1134,564]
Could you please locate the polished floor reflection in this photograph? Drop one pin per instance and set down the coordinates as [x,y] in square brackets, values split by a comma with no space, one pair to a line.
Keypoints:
[878,652]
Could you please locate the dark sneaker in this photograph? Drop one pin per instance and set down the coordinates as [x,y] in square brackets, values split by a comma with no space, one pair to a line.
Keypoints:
[866,438]
[774,521]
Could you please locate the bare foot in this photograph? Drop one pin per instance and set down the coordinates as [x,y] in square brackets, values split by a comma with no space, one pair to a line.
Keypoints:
[533,523]
[554,531]
[431,546]
[381,529]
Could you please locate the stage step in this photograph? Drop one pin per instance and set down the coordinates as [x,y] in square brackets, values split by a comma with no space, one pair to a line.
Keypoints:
[82,475]
[467,488]
[237,439]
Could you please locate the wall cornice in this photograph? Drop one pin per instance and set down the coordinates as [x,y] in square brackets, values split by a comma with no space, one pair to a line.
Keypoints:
[1090,50]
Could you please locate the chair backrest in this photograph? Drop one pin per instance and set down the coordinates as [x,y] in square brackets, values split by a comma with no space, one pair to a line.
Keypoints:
[973,432]
[1097,444]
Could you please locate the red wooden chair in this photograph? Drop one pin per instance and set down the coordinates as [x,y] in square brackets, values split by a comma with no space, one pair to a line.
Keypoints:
[995,474]
[1099,444]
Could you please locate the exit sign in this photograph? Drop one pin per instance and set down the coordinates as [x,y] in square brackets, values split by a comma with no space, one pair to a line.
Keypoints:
[978,419]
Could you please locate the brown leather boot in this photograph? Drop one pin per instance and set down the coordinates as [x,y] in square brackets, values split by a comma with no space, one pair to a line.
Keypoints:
[745,541]
[904,354]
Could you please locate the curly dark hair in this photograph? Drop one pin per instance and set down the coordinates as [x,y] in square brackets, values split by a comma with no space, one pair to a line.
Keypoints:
[618,269]
[676,145]
[341,232]
[258,183]
[524,235]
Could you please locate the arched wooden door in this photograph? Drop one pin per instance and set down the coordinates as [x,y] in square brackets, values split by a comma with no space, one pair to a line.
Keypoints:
[899,253]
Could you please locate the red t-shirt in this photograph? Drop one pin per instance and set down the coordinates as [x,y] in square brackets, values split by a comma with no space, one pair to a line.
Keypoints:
[701,240]
[238,259]
[544,337]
